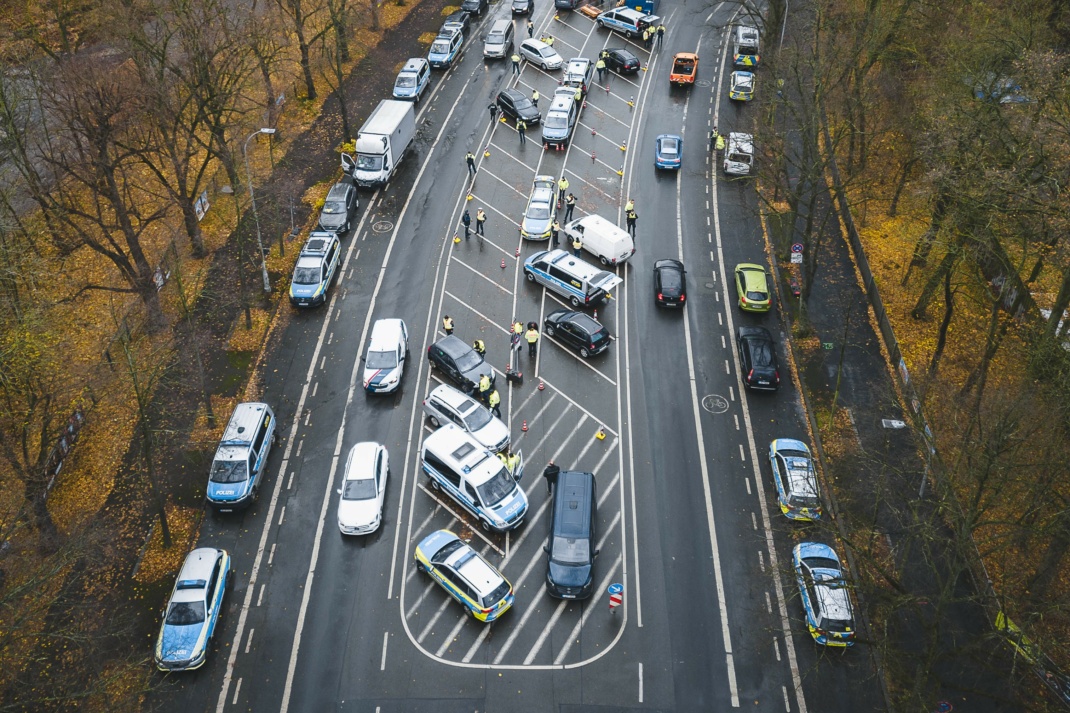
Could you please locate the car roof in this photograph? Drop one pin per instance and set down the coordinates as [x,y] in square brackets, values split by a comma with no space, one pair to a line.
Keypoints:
[549,181]
[542,194]
[462,450]
[360,464]
[449,31]
[386,333]
[623,51]
[414,64]
[743,78]
[318,244]
[799,475]
[572,489]
[451,396]
[668,263]
[476,571]
[533,44]
[338,191]
[755,333]
[578,65]
[242,425]
[194,574]
[453,345]
[513,94]
[561,103]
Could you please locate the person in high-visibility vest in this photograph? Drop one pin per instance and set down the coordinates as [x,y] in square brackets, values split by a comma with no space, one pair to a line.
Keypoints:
[578,96]
[484,388]
[600,65]
[514,336]
[447,324]
[562,186]
[494,401]
[576,245]
[510,460]
[532,337]
[480,347]
[630,205]
[535,97]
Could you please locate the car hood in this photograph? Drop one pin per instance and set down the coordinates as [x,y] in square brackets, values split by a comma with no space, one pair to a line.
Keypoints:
[512,506]
[474,374]
[379,377]
[180,643]
[357,513]
[570,575]
[493,434]
[305,290]
[223,492]
[535,226]
[332,220]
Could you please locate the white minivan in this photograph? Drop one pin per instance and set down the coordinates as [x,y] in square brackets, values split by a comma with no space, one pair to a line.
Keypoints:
[384,365]
[609,243]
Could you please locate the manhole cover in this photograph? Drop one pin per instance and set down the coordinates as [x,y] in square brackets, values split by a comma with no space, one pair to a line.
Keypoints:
[715,403]
[704,83]
[382,226]
[710,285]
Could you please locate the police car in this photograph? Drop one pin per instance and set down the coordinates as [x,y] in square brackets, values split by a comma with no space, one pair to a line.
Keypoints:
[825,598]
[579,73]
[795,479]
[445,48]
[539,215]
[465,575]
[581,283]
[315,269]
[741,86]
[192,612]
[627,21]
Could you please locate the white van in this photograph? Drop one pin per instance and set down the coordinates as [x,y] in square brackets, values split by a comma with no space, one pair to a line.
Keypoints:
[499,41]
[384,365]
[739,154]
[606,241]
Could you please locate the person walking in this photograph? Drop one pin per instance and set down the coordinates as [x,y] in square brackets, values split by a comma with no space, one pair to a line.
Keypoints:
[521,127]
[516,63]
[493,109]
[481,218]
[555,229]
[600,65]
[535,97]
[532,338]
[494,401]
[562,186]
[577,244]
[570,205]
[466,221]
[629,206]
[470,158]
[484,388]
[713,139]
[550,473]
[447,324]
[631,216]
[480,347]
[531,29]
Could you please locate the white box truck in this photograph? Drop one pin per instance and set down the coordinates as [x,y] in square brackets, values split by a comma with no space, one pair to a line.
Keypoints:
[381,143]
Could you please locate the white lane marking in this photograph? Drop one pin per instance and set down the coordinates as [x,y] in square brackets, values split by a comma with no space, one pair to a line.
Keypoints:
[300,444]
[249,641]
[479,274]
[508,185]
[640,683]
[237,690]
[776,648]
[572,637]
[447,600]
[542,440]
[271,557]
[580,359]
[476,200]
[323,361]
[472,309]
[787,702]
[506,152]
[260,597]
[735,417]
[547,629]
[315,388]
[459,518]
[382,662]
[537,416]
[746,481]
[742,455]
[282,514]
[761,560]
[581,408]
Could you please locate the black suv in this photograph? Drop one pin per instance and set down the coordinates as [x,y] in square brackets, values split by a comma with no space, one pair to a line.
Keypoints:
[757,355]
[516,105]
[622,61]
[460,362]
[578,331]
[339,209]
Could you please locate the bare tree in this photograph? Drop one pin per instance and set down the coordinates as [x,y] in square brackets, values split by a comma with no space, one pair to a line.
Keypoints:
[309,22]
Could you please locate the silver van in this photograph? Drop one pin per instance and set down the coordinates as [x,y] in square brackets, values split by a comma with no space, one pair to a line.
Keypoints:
[241,458]
[499,41]
[560,120]
[413,79]
[581,283]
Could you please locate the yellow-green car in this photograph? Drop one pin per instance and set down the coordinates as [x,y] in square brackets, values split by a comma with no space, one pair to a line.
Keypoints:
[752,288]
[741,86]
[466,576]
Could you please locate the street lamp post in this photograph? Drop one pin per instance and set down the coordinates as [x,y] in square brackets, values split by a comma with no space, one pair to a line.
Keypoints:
[252,197]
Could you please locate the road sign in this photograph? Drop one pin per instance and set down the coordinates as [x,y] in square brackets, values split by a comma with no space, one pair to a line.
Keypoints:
[796,258]
[797,248]
[616,595]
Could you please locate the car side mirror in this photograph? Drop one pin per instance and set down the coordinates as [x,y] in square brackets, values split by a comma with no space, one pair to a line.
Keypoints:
[362,358]
[596,552]
[546,549]
[339,491]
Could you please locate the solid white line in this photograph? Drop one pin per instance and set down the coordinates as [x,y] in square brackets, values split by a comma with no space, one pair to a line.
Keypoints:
[465,265]
[581,408]
[547,629]
[459,518]
[499,180]
[386,640]
[475,311]
[428,627]
[640,683]
[587,609]
[577,357]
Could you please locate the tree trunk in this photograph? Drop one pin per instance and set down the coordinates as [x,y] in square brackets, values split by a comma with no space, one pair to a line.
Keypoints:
[927,292]
[1051,560]
[269,88]
[899,186]
[193,228]
[945,323]
[992,340]
[925,242]
[373,7]
[306,65]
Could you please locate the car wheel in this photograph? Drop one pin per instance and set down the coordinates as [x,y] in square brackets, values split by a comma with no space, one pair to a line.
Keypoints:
[548,330]
[574,301]
[432,364]
[434,421]
[602,24]
[484,524]
[435,485]
[603,260]
[584,353]
[420,566]
[531,276]
[629,34]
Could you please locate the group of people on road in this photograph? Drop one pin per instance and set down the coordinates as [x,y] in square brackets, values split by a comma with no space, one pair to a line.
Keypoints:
[466,221]
[651,33]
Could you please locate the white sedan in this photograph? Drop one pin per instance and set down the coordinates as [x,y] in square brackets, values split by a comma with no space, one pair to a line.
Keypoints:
[360,509]
[540,53]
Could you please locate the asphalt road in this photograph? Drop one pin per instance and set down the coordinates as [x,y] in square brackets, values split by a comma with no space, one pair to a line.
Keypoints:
[686,519]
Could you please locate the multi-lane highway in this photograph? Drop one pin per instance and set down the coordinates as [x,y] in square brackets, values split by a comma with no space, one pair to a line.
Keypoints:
[710,619]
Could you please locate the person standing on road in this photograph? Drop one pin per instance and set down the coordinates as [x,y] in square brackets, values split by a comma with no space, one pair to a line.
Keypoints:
[470,159]
[577,244]
[447,324]
[466,221]
[535,97]
[570,205]
[661,35]
[550,473]
[532,338]
[555,228]
[494,401]
[646,37]
[531,29]
[516,63]
[521,127]
[480,347]
[629,206]
[484,388]
[600,65]
[562,186]
[481,218]
[514,336]
[631,216]
[493,109]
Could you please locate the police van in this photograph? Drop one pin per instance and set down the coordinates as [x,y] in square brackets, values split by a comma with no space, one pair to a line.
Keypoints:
[745,47]
[581,283]
[241,458]
[627,21]
[560,118]
[475,477]
[413,79]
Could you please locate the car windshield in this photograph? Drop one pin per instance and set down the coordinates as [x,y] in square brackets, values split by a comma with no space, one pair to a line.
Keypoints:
[406,80]
[447,550]
[477,418]
[555,121]
[363,489]
[497,488]
[440,47]
[468,361]
[381,360]
[804,501]
[185,613]
[307,276]
[571,550]
[230,471]
[497,595]
[366,162]
[539,211]
[334,207]
[747,49]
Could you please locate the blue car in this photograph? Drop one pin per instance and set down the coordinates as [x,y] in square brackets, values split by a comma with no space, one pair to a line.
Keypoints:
[315,269]
[825,598]
[192,613]
[668,150]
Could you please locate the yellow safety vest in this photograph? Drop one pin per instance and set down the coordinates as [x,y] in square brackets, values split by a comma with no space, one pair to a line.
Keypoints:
[532,336]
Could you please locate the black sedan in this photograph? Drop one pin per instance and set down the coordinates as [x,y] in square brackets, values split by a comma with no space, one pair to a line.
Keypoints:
[757,357]
[577,330]
[516,105]
[521,7]
[621,61]
[670,285]
[460,362]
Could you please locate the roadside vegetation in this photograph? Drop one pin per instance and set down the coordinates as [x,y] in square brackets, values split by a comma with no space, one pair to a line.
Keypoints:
[950,128]
[129,317]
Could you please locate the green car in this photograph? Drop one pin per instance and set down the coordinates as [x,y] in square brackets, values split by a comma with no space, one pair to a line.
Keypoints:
[752,288]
